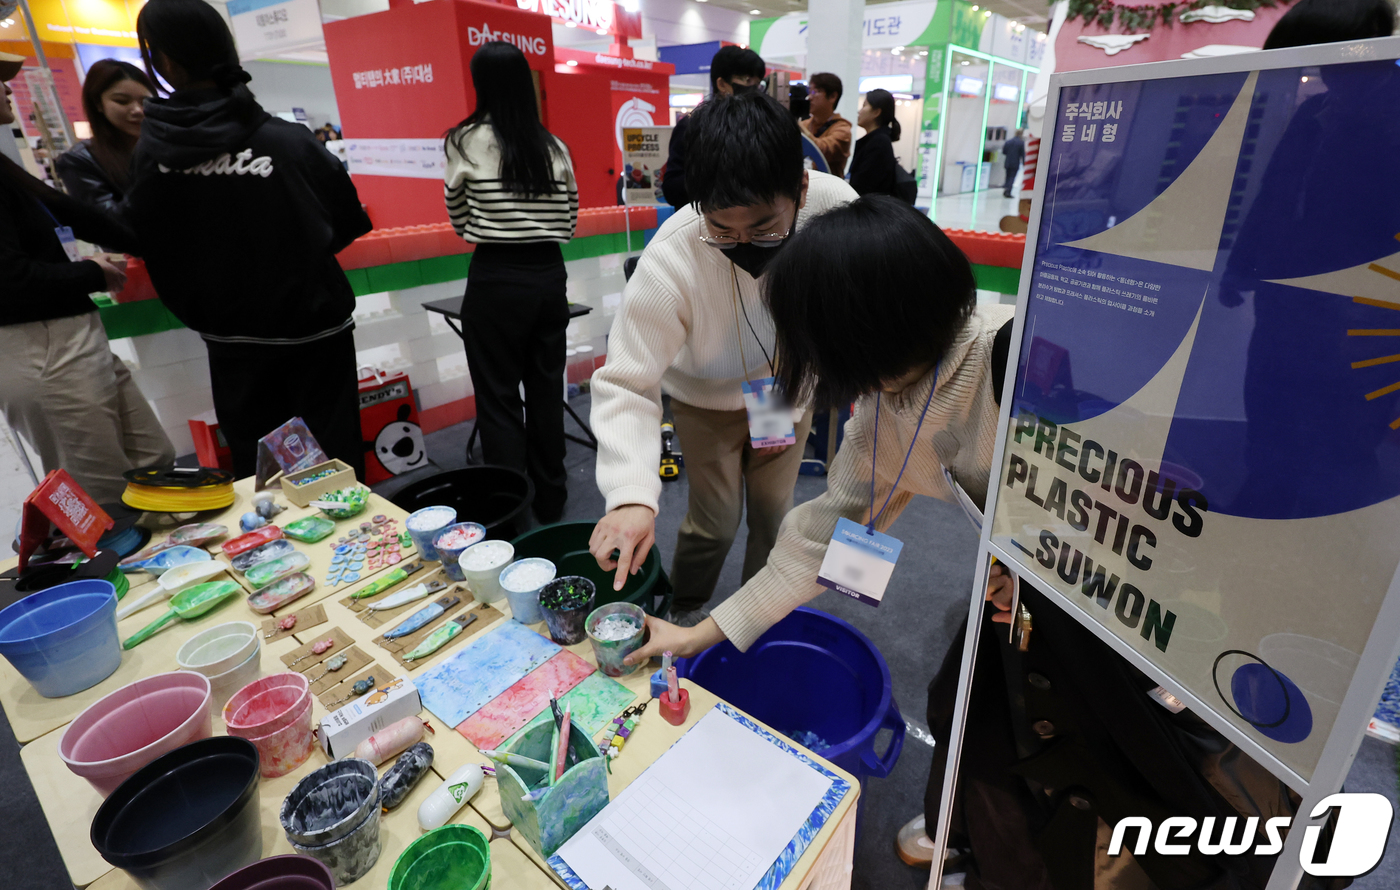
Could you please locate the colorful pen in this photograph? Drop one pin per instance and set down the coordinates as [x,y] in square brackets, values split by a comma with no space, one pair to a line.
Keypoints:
[515,759]
[563,748]
[673,686]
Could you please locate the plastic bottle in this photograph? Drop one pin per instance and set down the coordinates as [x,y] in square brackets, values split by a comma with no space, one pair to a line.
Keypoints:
[390,740]
[449,797]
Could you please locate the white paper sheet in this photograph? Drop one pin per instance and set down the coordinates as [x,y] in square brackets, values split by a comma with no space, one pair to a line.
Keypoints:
[711,814]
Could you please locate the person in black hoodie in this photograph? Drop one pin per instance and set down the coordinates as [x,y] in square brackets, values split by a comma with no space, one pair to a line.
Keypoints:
[240,215]
[872,164]
[61,387]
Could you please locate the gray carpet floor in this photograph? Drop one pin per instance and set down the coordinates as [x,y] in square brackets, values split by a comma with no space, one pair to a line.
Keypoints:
[913,627]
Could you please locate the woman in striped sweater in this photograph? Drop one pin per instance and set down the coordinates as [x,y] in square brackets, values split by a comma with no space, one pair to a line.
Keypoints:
[510,190]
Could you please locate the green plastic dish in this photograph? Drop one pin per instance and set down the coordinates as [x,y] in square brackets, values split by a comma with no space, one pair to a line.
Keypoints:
[265,573]
[309,529]
[453,857]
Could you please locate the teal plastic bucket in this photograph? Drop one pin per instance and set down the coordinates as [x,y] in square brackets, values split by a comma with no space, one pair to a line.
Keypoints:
[566,545]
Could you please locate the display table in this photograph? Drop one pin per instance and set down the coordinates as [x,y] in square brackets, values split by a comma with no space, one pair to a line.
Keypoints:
[69,802]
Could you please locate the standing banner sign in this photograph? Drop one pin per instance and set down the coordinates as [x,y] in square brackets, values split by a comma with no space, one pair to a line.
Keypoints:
[1200,449]
[644,151]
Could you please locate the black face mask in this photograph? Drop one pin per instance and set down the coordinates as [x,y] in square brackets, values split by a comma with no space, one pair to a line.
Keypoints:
[741,89]
[752,258]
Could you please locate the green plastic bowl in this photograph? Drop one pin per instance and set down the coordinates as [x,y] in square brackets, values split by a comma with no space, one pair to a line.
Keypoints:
[453,857]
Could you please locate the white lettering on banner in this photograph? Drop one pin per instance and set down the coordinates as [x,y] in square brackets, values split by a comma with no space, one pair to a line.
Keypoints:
[620,87]
[535,46]
[1363,822]
[596,14]
[617,62]
[381,77]
[243,164]
[883,25]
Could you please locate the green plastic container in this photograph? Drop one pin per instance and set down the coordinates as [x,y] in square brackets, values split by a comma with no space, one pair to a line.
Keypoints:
[566,545]
[453,857]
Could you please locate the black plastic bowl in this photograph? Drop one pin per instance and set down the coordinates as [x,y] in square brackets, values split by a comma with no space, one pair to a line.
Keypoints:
[497,497]
[186,819]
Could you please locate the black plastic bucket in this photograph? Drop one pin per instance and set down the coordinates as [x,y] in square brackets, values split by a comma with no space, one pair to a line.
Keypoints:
[497,497]
[187,819]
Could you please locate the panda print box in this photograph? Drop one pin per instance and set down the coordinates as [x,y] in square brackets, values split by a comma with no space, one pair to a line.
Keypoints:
[389,423]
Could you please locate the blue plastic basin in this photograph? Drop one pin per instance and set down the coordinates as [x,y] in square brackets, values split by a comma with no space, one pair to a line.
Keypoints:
[63,639]
[811,672]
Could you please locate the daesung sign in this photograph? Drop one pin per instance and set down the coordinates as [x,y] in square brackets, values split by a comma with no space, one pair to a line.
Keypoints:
[600,15]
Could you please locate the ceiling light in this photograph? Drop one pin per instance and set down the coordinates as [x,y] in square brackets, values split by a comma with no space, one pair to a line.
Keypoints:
[571,24]
[755,12]
[975,8]
[923,52]
[964,62]
[1305,80]
[986,13]
[571,63]
[602,32]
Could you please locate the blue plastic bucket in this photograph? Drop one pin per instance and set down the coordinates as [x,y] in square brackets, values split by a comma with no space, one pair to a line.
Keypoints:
[64,639]
[811,672]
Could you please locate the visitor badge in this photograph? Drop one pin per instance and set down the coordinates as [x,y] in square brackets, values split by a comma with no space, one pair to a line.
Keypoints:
[70,244]
[859,562]
[770,418]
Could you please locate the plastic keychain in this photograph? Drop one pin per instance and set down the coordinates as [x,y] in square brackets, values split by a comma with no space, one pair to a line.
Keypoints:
[330,666]
[319,649]
[404,597]
[358,689]
[440,637]
[285,624]
[422,617]
[620,729]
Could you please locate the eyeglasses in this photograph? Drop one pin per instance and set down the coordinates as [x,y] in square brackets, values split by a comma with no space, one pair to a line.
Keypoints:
[727,242]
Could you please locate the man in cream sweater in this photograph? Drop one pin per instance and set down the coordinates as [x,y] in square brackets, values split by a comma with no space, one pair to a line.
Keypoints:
[692,322]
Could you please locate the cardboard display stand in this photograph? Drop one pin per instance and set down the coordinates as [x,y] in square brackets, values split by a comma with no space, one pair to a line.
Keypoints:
[1197,447]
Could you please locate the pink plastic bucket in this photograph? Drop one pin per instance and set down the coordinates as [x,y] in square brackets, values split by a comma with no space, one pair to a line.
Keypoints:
[267,705]
[287,748]
[127,729]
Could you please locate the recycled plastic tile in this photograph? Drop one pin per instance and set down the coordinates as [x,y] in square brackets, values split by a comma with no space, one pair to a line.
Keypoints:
[508,712]
[487,666]
[593,703]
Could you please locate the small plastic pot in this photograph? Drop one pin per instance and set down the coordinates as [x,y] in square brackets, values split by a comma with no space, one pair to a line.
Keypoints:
[219,649]
[223,686]
[185,820]
[449,555]
[481,566]
[63,639]
[453,857]
[288,872]
[327,804]
[566,602]
[351,856]
[127,729]
[525,604]
[425,524]
[611,652]
[289,747]
[267,705]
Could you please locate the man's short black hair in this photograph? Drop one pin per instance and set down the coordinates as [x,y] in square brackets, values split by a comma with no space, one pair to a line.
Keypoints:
[735,61]
[864,294]
[828,83]
[742,150]
[1311,22]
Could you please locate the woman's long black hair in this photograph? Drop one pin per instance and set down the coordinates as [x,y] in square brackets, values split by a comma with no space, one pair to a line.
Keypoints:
[505,99]
[883,102]
[110,147]
[192,34]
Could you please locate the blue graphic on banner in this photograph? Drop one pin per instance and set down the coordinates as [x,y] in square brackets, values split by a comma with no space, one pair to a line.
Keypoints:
[1235,198]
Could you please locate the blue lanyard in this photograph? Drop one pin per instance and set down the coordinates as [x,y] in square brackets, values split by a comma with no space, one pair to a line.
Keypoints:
[44,207]
[875,450]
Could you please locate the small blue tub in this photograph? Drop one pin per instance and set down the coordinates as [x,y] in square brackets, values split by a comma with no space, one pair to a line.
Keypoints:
[64,639]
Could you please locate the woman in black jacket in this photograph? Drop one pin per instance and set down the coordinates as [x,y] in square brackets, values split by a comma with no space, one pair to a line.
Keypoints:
[60,386]
[240,216]
[97,171]
[873,164]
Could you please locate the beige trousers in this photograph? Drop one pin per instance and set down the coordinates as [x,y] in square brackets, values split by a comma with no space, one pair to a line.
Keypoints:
[725,474]
[75,403]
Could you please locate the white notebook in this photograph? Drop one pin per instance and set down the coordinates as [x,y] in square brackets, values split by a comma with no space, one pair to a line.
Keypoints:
[729,807]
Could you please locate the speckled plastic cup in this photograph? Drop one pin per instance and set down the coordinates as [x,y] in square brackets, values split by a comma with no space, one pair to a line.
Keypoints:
[449,555]
[525,603]
[423,526]
[566,621]
[611,652]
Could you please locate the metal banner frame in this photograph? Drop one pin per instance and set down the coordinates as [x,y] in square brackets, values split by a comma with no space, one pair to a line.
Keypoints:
[1383,643]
